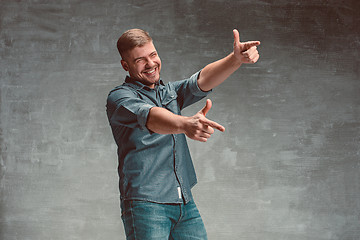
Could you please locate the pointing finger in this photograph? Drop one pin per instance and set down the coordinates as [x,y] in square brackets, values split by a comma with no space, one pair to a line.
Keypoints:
[212,124]
[248,45]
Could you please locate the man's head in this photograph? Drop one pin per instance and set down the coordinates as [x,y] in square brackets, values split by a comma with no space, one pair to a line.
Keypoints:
[139,56]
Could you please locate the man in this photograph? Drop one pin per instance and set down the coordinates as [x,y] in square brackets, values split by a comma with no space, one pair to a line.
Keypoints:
[155,168]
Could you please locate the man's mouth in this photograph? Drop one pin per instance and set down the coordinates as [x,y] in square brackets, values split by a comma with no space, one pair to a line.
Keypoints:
[151,71]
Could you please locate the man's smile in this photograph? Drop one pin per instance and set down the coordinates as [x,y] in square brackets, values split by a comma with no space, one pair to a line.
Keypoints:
[150,72]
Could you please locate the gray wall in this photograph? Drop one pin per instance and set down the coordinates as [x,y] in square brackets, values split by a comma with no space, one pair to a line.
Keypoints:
[287,166]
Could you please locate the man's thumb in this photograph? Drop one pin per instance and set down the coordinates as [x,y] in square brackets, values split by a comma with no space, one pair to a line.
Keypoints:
[236,37]
[207,107]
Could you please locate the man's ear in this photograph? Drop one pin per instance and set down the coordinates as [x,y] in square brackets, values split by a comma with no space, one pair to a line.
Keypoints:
[124,65]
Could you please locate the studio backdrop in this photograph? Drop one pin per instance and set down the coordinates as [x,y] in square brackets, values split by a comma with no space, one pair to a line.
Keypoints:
[287,166]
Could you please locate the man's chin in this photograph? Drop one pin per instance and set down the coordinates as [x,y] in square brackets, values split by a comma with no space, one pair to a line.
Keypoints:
[150,82]
[153,80]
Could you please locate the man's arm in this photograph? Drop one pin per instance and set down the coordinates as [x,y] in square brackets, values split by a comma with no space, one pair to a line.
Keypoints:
[196,127]
[215,73]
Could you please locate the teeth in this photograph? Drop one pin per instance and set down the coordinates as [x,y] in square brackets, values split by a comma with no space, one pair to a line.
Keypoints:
[151,71]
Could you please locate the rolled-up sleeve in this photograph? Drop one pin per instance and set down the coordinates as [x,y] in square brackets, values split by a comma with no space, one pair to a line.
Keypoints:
[189,91]
[124,108]
[143,114]
[194,86]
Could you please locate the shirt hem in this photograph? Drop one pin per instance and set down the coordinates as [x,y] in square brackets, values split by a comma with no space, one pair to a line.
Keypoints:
[153,201]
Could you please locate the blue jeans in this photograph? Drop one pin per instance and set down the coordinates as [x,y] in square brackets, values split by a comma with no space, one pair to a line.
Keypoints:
[149,221]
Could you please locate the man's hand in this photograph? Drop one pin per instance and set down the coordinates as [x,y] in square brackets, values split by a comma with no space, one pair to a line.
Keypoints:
[213,74]
[245,52]
[200,128]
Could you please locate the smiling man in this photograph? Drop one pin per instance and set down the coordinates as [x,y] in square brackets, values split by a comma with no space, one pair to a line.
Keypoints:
[155,168]
[142,63]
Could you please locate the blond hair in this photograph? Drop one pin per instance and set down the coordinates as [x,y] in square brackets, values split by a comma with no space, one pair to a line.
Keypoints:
[132,38]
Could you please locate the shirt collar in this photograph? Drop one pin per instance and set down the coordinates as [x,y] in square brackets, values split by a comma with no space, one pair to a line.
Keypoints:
[138,84]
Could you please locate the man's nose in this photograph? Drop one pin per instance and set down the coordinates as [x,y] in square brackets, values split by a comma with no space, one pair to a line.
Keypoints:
[150,63]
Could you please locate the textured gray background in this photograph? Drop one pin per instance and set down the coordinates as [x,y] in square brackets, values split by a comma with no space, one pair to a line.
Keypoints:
[287,166]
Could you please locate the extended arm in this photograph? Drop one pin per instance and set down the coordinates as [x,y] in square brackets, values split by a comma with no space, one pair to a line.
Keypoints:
[215,73]
[196,127]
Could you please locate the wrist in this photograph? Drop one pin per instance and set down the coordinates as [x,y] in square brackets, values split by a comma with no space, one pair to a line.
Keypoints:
[182,124]
[235,59]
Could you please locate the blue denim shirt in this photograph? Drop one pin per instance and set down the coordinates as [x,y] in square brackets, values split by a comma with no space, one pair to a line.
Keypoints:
[152,167]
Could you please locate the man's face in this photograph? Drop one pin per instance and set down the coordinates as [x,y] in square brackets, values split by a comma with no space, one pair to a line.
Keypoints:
[143,64]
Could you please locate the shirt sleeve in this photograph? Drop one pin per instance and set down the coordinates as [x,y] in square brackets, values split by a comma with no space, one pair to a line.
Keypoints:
[188,90]
[124,108]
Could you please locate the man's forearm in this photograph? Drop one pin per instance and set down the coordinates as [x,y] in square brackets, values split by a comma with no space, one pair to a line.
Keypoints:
[162,121]
[196,127]
[217,72]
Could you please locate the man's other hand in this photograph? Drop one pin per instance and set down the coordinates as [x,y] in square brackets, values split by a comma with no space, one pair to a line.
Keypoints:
[200,128]
[245,52]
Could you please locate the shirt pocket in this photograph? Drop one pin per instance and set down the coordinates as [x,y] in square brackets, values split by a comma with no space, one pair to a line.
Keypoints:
[170,102]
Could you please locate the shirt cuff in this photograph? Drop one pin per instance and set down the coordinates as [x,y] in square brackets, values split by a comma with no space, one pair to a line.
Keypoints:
[143,115]
[194,86]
